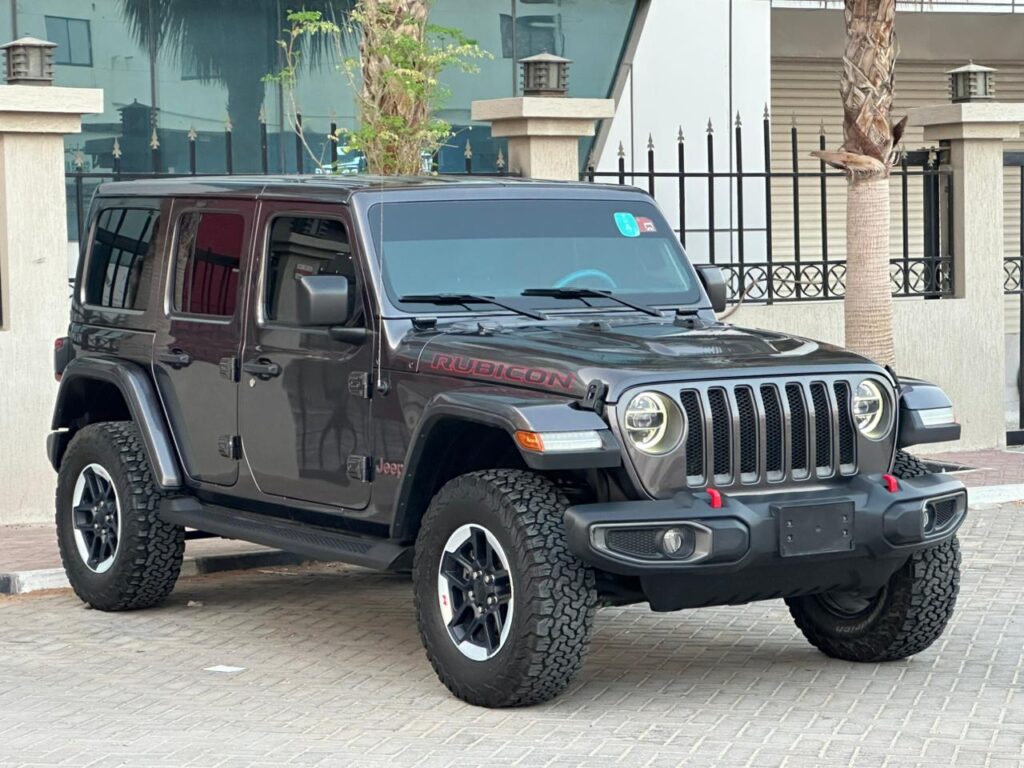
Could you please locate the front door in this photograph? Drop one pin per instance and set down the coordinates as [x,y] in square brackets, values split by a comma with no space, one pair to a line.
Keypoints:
[305,421]
[196,349]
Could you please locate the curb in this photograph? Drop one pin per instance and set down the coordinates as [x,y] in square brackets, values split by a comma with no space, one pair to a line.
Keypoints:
[23,582]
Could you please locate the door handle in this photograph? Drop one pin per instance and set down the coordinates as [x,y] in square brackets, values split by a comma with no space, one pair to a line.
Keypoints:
[174,358]
[262,369]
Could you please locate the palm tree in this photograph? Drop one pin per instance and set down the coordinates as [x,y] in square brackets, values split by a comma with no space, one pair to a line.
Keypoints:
[867,155]
[230,41]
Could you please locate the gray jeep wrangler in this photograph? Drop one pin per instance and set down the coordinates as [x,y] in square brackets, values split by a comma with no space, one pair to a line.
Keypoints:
[518,391]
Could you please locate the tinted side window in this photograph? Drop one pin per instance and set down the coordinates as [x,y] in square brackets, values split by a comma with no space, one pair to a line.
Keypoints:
[299,247]
[121,262]
[206,265]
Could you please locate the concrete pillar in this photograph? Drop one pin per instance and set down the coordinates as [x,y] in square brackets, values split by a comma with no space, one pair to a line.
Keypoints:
[33,283]
[543,132]
[975,134]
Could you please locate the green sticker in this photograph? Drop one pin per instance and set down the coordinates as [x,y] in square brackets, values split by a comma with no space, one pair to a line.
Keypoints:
[627,224]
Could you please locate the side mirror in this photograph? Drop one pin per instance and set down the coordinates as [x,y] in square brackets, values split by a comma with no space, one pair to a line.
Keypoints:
[715,285]
[323,301]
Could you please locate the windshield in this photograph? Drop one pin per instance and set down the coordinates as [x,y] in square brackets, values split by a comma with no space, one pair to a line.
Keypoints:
[501,248]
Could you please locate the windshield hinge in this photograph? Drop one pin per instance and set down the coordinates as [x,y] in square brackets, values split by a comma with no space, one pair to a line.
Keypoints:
[597,391]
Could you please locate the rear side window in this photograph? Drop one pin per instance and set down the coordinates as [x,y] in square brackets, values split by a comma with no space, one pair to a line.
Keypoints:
[121,262]
[206,266]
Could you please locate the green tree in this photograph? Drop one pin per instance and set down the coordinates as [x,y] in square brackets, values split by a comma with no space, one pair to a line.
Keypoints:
[867,155]
[228,41]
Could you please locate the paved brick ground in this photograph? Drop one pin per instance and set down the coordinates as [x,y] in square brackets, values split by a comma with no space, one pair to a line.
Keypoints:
[335,676]
[989,467]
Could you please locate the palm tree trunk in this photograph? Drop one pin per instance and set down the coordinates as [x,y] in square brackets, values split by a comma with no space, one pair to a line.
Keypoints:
[868,304]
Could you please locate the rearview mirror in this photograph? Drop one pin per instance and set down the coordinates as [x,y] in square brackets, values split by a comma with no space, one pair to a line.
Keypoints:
[714,283]
[323,301]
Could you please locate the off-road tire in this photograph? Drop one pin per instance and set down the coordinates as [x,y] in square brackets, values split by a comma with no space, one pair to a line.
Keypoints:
[554,596]
[907,616]
[150,552]
[907,465]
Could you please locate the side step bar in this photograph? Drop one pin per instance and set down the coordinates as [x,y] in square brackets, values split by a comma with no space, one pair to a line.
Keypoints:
[311,541]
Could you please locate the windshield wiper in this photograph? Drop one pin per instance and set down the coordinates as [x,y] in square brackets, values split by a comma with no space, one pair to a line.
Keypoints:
[588,293]
[465,299]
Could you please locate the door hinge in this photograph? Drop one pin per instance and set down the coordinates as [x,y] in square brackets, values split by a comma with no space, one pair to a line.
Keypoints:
[230,446]
[360,468]
[359,384]
[229,368]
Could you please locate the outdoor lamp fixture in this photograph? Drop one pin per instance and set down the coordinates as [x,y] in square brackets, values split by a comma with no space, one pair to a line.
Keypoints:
[29,61]
[971,82]
[545,75]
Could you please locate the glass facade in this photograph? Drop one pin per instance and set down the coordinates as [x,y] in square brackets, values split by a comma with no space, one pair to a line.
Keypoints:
[182,65]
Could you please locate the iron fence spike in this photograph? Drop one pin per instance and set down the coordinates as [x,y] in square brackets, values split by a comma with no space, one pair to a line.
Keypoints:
[680,138]
[650,142]
[767,114]
[154,140]
[711,128]
[116,151]
[622,150]
[469,150]
[821,127]
[228,127]
[500,162]
[739,122]
[78,159]
[192,135]
[263,114]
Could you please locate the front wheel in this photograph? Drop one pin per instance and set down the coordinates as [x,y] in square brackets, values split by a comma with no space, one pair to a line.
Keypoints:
[906,616]
[503,608]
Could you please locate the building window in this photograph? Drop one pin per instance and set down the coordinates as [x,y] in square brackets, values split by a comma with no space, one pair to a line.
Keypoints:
[120,266]
[206,268]
[533,35]
[73,39]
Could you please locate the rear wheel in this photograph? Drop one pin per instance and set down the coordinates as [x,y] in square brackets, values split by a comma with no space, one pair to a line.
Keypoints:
[117,553]
[503,608]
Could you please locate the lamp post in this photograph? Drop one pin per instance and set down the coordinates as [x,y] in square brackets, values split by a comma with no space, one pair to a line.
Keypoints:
[29,61]
[971,82]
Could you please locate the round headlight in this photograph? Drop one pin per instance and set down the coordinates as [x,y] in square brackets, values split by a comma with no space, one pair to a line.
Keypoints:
[653,423]
[871,410]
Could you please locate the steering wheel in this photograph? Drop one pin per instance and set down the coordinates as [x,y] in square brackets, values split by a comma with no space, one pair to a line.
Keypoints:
[581,274]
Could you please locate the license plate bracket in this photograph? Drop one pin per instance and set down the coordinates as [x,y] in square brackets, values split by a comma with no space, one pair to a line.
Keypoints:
[815,529]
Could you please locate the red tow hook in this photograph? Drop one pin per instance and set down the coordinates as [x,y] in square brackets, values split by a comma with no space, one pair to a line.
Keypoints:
[715,498]
[892,485]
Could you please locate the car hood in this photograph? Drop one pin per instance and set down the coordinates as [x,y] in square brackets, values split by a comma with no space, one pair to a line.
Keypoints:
[567,357]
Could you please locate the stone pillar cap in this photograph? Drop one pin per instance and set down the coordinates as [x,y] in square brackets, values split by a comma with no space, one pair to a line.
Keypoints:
[969,120]
[525,107]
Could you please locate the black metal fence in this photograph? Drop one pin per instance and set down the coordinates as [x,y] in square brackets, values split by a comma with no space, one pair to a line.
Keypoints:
[1013,285]
[760,271]
[213,153]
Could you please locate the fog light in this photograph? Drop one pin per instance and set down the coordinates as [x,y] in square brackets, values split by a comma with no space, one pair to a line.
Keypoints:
[677,542]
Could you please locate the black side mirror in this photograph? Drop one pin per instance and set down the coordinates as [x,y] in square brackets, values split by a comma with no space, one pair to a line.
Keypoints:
[714,283]
[323,301]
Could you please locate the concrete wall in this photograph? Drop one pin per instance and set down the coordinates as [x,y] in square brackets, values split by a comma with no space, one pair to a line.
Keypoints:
[963,357]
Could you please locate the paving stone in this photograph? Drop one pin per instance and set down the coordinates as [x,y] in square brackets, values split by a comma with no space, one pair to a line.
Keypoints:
[334,675]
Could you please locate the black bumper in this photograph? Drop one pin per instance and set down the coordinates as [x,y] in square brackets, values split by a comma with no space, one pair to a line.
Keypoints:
[759,547]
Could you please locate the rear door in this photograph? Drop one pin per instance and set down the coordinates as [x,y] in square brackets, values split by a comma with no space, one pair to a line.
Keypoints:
[305,421]
[195,352]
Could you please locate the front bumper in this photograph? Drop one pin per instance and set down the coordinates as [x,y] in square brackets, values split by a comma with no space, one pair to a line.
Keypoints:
[755,547]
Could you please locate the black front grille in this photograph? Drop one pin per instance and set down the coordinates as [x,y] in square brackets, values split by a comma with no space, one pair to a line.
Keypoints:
[745,435]
[943,512]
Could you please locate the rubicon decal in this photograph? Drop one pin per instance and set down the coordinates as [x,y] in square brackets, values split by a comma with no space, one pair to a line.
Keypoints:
[514,374]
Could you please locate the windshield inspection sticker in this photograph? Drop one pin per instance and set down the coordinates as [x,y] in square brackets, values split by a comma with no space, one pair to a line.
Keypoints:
[645,224]
[627,224]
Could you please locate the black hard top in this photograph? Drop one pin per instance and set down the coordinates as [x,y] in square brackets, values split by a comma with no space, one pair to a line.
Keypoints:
[341,188]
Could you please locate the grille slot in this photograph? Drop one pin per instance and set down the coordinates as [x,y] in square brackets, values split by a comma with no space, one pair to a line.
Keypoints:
[943,512]
[773,432]
[798,430]
[694,437]
[822,429]
[635,542]
[748,434]
[721,434]
[767,432]
[847,443]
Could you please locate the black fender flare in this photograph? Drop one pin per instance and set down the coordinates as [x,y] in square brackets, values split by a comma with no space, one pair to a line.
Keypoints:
[915,398]
[509,411]
[138,392]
